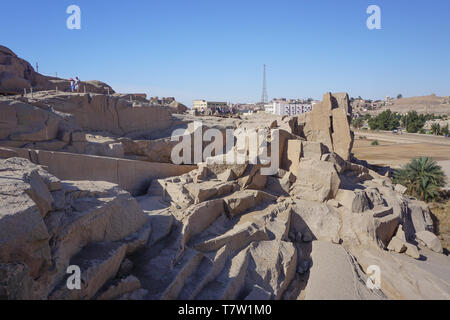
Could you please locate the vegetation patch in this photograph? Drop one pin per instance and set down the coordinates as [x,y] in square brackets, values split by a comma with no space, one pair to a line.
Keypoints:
[423,178]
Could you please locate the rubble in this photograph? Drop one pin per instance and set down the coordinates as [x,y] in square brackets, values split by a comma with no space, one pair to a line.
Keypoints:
[212,230]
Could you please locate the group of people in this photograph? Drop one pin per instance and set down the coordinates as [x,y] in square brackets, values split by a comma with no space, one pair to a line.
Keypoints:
[75,84]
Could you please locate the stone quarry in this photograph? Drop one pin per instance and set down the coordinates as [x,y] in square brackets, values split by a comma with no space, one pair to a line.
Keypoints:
[87,180]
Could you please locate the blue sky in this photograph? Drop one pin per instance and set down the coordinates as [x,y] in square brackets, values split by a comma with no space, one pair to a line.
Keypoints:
[215,50]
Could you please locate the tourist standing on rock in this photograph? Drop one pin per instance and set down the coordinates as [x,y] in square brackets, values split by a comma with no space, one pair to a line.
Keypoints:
[72,84]
[77,84]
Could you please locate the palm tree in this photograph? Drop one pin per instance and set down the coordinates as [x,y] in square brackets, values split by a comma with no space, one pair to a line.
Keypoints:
[436,129]
[423,178]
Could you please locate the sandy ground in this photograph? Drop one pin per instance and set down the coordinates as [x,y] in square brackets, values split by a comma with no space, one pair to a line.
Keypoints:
[397,150]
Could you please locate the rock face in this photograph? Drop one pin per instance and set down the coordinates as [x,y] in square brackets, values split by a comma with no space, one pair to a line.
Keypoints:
[47,224]
[430,240]
[225,237]
[329,123]
[59,122]
[333,266]
[17,74]
[29,119]
[212,231]
[317,180]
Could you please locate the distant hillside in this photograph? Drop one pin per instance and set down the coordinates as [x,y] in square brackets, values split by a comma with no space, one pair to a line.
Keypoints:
[425,104]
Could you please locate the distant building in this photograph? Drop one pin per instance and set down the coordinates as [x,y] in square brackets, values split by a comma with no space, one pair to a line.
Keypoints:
[203,104]
[140,95]
[163,101]
[282,107]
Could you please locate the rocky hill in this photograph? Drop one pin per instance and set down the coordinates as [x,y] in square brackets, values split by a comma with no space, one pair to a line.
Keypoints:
[17,74]
[139,226]
[431,104]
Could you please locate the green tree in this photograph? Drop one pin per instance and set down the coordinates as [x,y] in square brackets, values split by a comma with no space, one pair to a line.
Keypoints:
[436,129]
[444,130]
[358,123]
[385,121]
[423,178]
[400,96]
[413,122]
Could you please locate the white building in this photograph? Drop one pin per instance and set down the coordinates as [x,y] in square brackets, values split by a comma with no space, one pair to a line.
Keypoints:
[287,108]
[203,104]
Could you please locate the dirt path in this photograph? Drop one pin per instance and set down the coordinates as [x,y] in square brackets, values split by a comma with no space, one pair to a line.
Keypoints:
[403,138]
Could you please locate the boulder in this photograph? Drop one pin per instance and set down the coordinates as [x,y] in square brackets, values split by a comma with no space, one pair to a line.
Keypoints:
[385,228]
[401,234]
[382,211]
[271,272]
[208,189]
[420,216]
[23,234]
[280,187]
[153,150]
[400,189]
[332,275]
[240,202]
[253,179]
[44,224]
[340,164]
[98,263]
[411,250]
[217,165]
[121,287]
[15,282]
[329,123]
[200,216]
[342,135]
[315,221]
[397,245]
[375,197]
[227,175]
[27,123]
[172,190]
[313,150]
[292,155]
[430,240]
[39,192]
[355,201]
[316,180]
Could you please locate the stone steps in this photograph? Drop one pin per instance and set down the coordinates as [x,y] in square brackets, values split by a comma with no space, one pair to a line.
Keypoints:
[98,263]
[184,268]
[228,284]
[194,282]
[153,263]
